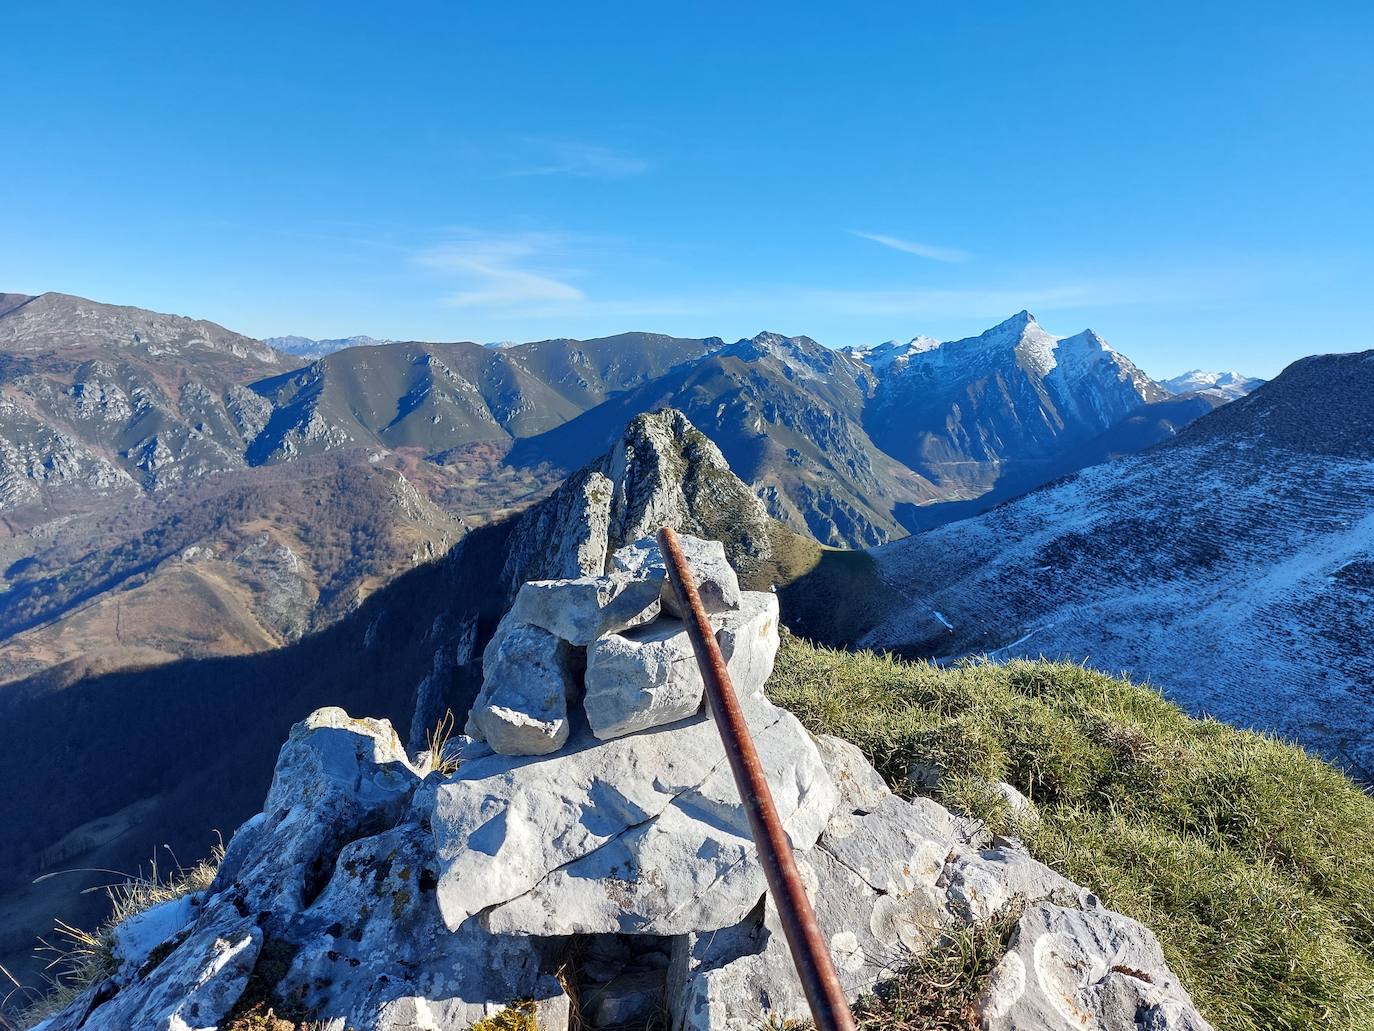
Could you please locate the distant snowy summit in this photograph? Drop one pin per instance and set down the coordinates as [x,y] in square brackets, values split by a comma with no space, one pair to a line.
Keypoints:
[1018,342]
[306,347]
[882,357]
[1229,385]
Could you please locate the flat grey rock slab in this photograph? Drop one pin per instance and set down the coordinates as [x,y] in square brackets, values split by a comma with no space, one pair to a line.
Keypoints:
[642,833]
[582,609]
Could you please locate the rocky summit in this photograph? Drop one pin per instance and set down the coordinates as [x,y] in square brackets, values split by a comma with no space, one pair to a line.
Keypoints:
[583,855]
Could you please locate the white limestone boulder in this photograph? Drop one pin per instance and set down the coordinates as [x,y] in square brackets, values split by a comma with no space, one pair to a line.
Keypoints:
[717,584]
[582,609]
[135,939]
[874,881]
[749,640]
[642,834]
[980,884]
[522,708]
[194,987]
[374,953]
[648,676]
[1085,968]
[859,787]
[335,775]
[640,678]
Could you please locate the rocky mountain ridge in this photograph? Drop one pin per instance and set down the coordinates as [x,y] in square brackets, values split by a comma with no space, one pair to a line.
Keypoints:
[852,447]
[410,651]
[306,347]
[1002,407]
[99,402]
[603,875]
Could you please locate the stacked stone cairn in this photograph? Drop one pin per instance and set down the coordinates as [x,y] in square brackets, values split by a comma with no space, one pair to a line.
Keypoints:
[589,857]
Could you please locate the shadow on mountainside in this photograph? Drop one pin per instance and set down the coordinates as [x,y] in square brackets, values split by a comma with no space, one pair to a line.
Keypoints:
[110,769]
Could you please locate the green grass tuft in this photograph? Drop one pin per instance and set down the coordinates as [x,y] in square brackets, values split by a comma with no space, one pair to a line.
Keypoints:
[1247,857]
[520,1016]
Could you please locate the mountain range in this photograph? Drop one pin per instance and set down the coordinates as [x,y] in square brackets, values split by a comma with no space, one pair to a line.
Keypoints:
[305,347]
[349,530]
[1231,566]
[145,495]
[853,447]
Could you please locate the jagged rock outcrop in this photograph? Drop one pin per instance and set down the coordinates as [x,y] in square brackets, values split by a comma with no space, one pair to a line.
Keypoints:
[376,892]
[660,467]
[661,472]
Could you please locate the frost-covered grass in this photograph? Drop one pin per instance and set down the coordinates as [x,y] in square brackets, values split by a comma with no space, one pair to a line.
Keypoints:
[80,957]
[1248,858]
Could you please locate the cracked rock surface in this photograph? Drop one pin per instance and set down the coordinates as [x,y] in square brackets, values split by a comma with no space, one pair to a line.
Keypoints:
[602,879]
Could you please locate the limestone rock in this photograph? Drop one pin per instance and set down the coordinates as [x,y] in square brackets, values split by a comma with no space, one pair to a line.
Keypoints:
[749,640]
[717,584]
[194,987]
[374,951]
[980,884]
[1022,808]
[334,775]
[641,678]
[858,786]
[662,471]
[633,835]
[874,880]
[522,708]
[565,535]
[400,902]
[582,609]
[137,937]
[1085,968]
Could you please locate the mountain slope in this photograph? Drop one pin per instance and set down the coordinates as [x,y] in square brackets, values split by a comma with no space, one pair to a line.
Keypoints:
[99,401]
[786,412]
[440,396]
[245,561]
[1233,566]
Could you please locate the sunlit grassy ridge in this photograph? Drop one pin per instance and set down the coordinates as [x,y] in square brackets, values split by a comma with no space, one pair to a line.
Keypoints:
[1248,858]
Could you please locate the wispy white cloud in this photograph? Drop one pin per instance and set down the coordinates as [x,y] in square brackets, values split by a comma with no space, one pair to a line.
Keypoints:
[503,269]
[921,250]
[576,158]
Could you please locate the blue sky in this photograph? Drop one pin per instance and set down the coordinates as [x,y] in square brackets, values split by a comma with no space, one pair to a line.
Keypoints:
[1193,181]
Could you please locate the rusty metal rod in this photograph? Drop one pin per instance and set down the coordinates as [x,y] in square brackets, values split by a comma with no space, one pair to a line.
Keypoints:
[829,1007]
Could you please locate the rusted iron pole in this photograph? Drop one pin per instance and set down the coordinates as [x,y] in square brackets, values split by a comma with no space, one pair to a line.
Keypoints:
[829,1007]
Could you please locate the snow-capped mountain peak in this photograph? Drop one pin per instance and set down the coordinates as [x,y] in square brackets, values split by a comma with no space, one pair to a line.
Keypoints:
[1229,385]
[881,357]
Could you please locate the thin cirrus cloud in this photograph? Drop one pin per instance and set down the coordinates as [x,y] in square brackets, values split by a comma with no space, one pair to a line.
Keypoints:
[921,250]
[502,270]
[575,158]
